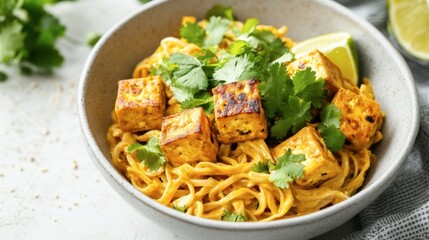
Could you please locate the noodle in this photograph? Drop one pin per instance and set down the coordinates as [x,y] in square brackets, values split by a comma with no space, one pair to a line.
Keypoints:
[207,189]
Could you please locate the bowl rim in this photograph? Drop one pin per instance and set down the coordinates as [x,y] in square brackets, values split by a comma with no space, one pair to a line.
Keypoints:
[380,183]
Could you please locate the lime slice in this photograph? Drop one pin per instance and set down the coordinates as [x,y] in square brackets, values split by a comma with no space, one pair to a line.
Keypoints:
[338,47]
[409,23]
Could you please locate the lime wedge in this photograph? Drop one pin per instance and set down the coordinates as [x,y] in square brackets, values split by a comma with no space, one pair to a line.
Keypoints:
[338,47]
[409,23]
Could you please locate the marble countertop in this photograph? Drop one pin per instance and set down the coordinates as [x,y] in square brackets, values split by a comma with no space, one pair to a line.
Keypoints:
[49,187]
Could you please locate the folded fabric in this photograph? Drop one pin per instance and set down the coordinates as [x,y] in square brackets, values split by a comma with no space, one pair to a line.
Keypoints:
[402,211]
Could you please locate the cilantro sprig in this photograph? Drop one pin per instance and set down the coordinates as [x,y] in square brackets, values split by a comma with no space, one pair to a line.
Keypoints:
[330,127]
[287,101]
[150,153]
[28,34]
[287,169]
[212,35]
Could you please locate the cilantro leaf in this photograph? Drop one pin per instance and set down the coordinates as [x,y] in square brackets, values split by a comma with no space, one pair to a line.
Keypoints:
[193,33]
[333,137]
[232,217]
[287,169]
[308,87]
[250,25]
[206,56]
[203,99]
[11,40]
[189,73]
[286,57]
[239,47]
[236,69]
[273,46]
[296,113]
[150,153]
[261,167]
[28,34]
[330,127]
[216,28]
[220,11]
[212,35]
[274,88]
[330,115]
[287,102]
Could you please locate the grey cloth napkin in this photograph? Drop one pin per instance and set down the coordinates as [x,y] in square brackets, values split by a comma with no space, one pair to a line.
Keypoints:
[402,211]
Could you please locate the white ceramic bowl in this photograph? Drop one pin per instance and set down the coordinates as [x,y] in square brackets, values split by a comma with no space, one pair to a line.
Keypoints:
[137,36]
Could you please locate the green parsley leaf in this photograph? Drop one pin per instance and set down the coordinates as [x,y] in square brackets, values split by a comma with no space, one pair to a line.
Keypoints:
[150,153]
[330,127]
[261,167]
[308,87]
[144,1]
[92,38]
[287,169]
[193,33]
[232,217]
[220,11]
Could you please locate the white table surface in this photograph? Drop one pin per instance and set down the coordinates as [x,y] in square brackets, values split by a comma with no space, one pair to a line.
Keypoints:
[49,187]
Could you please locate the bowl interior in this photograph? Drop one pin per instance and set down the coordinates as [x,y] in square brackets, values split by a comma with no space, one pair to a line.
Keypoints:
[135,38]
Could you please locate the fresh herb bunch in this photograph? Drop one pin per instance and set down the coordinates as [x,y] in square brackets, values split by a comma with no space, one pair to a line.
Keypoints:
[256,53]
[28,33]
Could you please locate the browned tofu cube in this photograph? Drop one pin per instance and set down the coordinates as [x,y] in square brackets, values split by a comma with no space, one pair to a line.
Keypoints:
[319,165]
[323,67]
[359,116]
[140,104]
[187,137]
[238,112]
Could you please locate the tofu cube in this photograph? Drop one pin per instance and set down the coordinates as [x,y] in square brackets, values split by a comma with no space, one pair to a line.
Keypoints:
[140,104]
[359,116]
[187,137]
[319,165]
[238,111]
[323,67]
